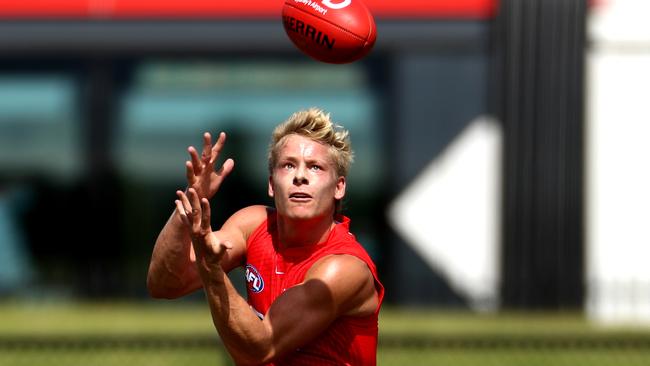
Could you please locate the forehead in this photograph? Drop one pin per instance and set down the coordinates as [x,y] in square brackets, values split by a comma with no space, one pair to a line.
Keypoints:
[300,146]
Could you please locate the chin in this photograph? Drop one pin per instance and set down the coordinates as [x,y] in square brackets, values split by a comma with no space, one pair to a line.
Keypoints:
[299,213]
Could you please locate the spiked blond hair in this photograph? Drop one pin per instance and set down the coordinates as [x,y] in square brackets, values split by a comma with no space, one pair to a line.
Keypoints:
[315,124]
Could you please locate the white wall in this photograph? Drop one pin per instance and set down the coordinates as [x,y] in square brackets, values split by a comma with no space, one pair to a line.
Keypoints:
[450,213]
[618,166]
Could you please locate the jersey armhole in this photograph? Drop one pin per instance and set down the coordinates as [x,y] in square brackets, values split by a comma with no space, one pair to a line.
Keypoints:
[263,227]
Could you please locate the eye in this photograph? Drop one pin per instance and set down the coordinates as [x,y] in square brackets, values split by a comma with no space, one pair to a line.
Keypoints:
[287,166]
[316,167]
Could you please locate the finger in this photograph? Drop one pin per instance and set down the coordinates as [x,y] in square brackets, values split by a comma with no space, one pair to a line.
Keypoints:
[181,212]
[207,151]
[218,146]
[189,173]
[222,173]
[185,204]
[221,248]
[226,168]
[196,163]
[180,207]
[218,247]
[196,210]
[205,216]
[226,244]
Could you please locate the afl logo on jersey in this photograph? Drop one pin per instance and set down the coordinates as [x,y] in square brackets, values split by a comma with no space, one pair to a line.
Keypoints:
[254,279]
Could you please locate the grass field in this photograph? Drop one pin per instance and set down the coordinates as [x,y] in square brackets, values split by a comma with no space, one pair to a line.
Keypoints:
[172,333]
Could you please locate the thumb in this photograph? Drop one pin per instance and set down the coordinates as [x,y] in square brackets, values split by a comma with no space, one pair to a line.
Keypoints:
[218,247]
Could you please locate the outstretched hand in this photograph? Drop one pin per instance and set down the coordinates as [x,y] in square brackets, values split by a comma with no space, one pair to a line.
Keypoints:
[200,171]
[195,215]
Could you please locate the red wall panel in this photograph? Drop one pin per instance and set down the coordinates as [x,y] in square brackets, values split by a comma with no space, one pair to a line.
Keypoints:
[195,9]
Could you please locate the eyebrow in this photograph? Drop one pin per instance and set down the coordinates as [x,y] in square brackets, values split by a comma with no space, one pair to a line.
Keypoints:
[293,158]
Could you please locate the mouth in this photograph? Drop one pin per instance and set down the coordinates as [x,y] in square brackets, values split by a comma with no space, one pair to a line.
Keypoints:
[299,197]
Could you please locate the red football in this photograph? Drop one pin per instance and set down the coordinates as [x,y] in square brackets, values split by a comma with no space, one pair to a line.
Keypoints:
[333,31]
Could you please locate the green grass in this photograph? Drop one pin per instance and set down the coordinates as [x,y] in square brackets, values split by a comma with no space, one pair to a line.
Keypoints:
[113,357]
[105,319]
[513,357]
[456,323]
[182,318]
[398,328]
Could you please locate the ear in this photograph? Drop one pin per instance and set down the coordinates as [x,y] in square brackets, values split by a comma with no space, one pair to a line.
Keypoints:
[271,193]
[339,192]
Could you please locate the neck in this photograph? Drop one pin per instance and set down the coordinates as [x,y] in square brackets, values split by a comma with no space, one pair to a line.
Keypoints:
[295,233]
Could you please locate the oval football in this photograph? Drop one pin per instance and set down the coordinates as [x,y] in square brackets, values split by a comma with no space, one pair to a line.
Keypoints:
[328,34]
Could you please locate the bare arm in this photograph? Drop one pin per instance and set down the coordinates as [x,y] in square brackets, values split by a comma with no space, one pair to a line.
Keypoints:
[172,272]
[335,286]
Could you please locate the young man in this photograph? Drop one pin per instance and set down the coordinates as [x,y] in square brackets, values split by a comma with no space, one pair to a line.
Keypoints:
[313,291]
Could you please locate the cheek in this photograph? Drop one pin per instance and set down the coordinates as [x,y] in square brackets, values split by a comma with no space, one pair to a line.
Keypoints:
[328,184]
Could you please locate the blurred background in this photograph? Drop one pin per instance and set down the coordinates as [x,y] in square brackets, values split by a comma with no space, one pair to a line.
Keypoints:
[498,182]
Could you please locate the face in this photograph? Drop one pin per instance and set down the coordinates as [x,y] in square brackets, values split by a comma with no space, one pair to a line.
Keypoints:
[304,182]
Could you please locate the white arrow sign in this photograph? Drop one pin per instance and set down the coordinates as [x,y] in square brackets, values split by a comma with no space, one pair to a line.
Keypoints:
[450,213]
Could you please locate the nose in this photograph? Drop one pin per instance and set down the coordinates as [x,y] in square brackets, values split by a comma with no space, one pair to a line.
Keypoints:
[300,177]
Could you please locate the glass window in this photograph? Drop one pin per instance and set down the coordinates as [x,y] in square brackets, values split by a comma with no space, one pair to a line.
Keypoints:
[171,103]
[39,126]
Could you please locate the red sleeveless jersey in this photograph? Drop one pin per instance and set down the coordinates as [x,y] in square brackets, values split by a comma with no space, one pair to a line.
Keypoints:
[270,270]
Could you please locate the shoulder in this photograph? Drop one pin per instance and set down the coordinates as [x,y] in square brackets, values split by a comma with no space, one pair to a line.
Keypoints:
[350,280]
[247,219]
[337,265]
[236,230]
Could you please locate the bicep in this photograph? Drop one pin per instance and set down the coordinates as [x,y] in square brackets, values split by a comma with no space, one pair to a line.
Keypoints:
[335,286]
[299,315]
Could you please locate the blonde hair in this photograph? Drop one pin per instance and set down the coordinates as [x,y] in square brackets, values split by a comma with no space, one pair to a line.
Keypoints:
[315,124]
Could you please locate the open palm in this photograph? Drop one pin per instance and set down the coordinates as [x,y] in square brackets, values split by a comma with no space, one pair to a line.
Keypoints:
[200,171]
